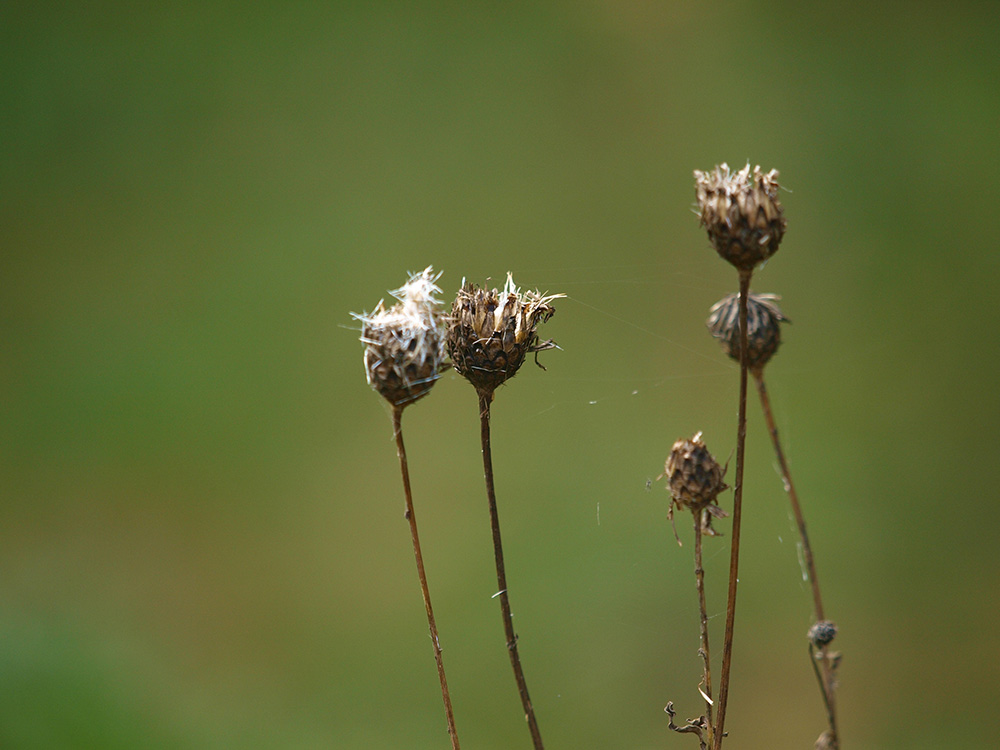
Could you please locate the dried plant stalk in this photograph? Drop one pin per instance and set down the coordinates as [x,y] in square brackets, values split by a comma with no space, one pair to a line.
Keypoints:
[823,631]
[695,480]
[491,332]
[705,651]
[734,555]
[411,517]
[508,622]
[403,357]
[763,330]
[745,223]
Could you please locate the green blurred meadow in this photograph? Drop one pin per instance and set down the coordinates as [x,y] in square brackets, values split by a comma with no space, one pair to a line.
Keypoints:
[201,532]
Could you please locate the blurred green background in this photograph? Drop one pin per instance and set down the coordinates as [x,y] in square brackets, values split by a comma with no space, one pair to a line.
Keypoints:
[201,532]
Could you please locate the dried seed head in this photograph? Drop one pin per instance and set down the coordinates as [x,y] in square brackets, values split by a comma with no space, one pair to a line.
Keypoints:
[491,332]
[822,633]
[694,477]
[763,333]
[741,212]
[404,345]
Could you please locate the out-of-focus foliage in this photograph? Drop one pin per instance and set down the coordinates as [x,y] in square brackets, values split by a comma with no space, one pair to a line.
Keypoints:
[201,532]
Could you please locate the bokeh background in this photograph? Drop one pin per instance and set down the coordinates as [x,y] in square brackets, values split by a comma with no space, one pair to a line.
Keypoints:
[201,532]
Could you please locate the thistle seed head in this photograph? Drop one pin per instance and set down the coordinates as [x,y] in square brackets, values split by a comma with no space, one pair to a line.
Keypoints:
[763,332]
[822,633]
[404,345]
[491,332]
[741,213]
[694,477]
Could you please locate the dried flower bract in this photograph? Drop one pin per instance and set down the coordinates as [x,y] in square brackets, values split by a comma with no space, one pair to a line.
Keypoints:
[694,477]
[763,332]
[492,331]
[404,345]
[741,213]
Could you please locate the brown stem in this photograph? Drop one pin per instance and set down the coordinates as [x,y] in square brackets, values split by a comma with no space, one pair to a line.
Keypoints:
[699,577]
[397,415]
[734,557]
[826,681]
[825,678]
[793,497]
[485,397]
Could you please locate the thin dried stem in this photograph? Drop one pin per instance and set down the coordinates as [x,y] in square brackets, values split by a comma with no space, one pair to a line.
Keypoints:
[793,497]
[397,428]
[825,677]
[734,557]
[699,577]
[485,397]
[826,681]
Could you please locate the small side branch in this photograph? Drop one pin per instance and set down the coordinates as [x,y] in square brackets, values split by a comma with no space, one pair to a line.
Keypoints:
[694,726]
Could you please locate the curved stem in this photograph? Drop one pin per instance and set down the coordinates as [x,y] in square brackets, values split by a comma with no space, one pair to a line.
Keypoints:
[734,556]
[826,681]
[397,428]
[793,497]
[485,397]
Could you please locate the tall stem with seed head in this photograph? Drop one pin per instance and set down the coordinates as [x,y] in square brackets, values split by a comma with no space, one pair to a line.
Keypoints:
[485,397]
[403,356]
[745,224]
[734,557]
[491,332]
[694,479]
[397,428]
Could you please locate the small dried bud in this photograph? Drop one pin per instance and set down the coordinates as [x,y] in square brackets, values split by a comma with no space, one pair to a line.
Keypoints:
[492,331]
[741,213]
[822,633]
[404,345]
[694,477]
[763,333]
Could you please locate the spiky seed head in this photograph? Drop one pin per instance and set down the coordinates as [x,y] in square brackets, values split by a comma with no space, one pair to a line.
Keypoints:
[491,332]
[405,344]
[822,633]
[763,332]
[694,477]
[741,212]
